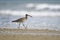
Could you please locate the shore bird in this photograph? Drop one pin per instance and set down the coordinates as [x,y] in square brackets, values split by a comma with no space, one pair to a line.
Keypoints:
[21,20]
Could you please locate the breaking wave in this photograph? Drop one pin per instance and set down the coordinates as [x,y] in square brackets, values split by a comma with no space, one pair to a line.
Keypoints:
[35,9]
[53,7]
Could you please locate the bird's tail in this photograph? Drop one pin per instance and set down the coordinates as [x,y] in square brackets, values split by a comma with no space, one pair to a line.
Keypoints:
[13,21]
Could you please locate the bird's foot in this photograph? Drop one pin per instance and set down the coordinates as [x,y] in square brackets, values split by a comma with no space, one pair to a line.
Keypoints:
[18,27]
[25,27]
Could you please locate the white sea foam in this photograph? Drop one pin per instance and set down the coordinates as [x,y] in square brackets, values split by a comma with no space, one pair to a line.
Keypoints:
[28,33]
[30,5]
[43,6]
[33,13]
[45,10]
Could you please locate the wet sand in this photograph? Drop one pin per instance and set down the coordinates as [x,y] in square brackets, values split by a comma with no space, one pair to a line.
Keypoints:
[28,37]
[7,36]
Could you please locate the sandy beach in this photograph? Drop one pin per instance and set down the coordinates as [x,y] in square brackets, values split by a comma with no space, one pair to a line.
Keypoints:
[20,34]
[28,37]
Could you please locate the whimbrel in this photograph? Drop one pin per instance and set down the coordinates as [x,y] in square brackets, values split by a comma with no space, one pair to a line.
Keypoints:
[21,20]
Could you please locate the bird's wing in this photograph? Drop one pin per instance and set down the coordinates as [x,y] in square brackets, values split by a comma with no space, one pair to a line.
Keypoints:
[20,20]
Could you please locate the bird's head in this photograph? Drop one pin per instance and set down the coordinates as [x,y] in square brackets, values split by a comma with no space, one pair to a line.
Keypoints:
[28,15]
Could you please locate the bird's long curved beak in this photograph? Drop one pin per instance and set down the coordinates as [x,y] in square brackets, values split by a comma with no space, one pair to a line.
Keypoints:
[30,15]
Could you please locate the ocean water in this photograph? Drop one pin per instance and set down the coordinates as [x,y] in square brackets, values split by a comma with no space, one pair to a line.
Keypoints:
[52,23]
[46,13]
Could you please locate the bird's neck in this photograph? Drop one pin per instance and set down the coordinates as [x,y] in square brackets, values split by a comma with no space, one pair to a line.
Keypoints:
[26,17]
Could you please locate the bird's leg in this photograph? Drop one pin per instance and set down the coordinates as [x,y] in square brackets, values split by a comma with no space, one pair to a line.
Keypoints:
[25,26]
[19,26]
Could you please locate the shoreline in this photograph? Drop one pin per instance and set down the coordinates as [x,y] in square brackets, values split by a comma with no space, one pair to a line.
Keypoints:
[11,34]
[28,32]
